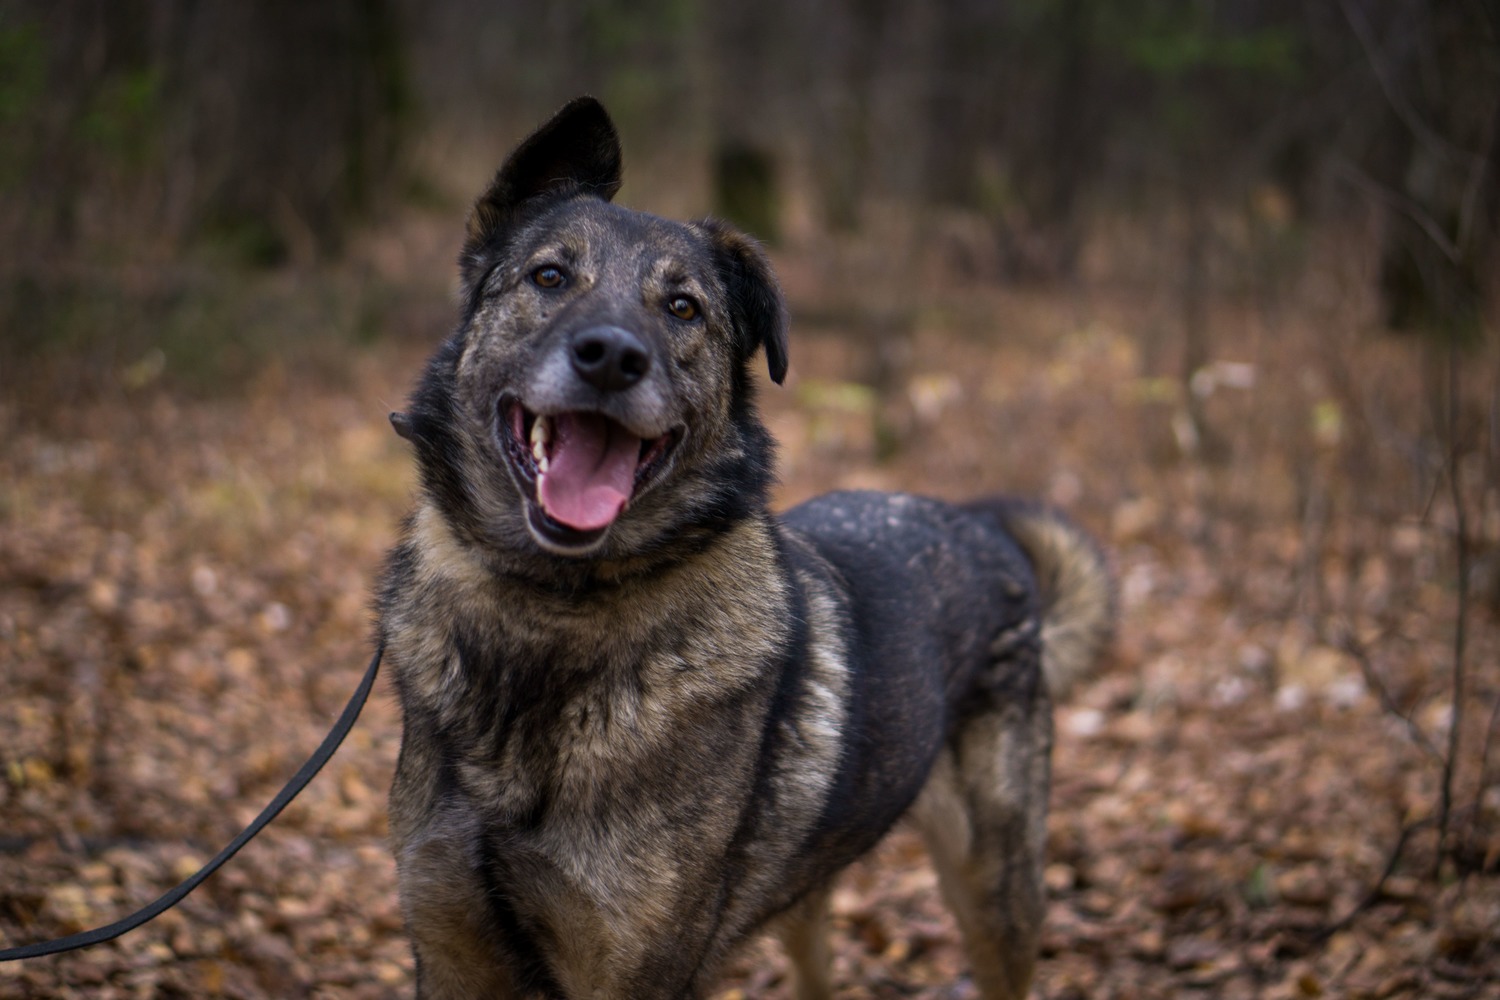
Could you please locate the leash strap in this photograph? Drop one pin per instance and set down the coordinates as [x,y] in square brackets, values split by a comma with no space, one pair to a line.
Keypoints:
[292,789]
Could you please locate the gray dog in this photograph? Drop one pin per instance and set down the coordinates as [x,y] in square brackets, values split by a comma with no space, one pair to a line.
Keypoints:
[644,717]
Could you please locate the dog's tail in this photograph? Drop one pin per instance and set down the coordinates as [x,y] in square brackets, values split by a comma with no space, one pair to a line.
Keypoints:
[1076,590]
[1075,587]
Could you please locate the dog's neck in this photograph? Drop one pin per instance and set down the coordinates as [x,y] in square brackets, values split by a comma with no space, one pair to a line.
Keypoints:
[534,575]
[609,611]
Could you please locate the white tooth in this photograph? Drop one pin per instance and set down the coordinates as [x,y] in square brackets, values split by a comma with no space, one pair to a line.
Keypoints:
[540,434]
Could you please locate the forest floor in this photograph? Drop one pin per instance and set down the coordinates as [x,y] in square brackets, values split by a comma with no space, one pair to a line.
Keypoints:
[184,609]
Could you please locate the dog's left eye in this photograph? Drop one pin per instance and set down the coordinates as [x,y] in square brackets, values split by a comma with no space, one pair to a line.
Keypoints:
[683,308]
[549,277]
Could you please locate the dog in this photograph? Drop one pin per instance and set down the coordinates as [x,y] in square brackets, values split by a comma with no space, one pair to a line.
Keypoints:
[643,716]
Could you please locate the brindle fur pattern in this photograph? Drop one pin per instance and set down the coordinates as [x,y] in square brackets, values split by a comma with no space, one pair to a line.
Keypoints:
[624,754]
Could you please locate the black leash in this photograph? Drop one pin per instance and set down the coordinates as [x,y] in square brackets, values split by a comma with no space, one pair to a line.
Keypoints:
[292,789]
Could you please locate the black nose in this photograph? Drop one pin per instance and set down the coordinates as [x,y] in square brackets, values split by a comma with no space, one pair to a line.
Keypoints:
[609,358]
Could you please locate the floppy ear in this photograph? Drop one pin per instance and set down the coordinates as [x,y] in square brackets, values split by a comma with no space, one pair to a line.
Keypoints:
[577,151]
[755,300]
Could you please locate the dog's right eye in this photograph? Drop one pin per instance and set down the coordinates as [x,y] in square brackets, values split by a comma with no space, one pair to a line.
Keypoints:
[683,308]
[548,277]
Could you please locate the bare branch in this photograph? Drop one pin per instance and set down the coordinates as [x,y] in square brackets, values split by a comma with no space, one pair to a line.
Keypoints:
[1350,644]
[1400,203]
[1461,617]
[1473,188]
[1393,95]
[1485,781]
[1373,895]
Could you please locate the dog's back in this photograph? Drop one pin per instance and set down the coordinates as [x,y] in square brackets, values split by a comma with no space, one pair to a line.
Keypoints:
[983,588]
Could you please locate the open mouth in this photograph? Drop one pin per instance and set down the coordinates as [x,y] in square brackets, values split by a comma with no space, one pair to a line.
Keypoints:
[580,470]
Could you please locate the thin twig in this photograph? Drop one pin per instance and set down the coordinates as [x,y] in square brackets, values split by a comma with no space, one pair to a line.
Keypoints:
[1468,216]
[1485,780]
[1365,34]
[1403,204]
[1351,645]
[1461,619]
[1372,895]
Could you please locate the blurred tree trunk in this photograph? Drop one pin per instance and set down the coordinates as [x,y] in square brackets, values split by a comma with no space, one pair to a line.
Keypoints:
[269,126]
[1009,126]
[841,136]
[1053,146]
[747,130]
[1069,147]
[297,112]
[1199,437]
[746,190]
[958,123]
[1437,72]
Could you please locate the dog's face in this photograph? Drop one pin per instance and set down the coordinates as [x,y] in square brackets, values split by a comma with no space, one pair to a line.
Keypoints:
[596,400]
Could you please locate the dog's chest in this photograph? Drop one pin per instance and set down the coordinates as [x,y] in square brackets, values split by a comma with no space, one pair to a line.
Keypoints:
[591,732]
[611,820]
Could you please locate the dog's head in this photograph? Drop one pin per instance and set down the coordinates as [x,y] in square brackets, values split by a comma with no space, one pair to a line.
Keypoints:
[596,399]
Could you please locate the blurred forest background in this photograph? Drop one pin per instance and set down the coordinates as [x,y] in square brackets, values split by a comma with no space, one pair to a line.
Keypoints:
[150,141]
[1219,276]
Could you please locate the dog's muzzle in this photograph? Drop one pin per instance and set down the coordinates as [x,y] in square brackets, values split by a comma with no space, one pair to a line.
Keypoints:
[587,439]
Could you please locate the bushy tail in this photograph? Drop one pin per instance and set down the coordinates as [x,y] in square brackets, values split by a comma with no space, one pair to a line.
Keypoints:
[1076,589]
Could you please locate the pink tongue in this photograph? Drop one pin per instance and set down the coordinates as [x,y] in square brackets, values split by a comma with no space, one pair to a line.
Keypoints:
[590,470]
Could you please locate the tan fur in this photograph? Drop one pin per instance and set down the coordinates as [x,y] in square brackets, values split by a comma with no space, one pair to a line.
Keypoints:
[1078,598]
[804,934]
[599,895]
[983,819]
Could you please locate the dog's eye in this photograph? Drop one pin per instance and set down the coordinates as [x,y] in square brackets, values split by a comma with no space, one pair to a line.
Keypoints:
[683,308]
[548,277]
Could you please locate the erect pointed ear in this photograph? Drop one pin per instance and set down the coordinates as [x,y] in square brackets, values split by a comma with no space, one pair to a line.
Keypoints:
[755,300]
[577,151]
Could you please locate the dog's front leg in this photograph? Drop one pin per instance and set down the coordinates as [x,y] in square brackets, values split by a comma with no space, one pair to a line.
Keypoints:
[804,935]
[447,916]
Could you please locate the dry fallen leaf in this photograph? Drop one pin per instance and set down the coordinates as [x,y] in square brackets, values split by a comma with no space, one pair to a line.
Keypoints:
[183,609]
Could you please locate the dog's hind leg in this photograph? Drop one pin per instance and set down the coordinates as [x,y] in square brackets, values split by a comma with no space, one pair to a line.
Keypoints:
[983,817]
[804,934]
